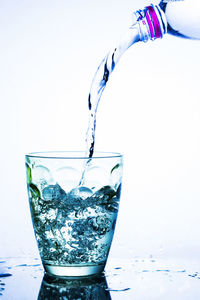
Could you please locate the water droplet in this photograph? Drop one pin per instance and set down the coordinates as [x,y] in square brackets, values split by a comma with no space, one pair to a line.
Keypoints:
[162,270]
[118,290]
[181,271]
[5,274]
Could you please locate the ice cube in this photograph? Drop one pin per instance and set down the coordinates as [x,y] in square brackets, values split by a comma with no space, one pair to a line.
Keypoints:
[101,224]
[107,198]
[81,192]
[53,192]
[105,194]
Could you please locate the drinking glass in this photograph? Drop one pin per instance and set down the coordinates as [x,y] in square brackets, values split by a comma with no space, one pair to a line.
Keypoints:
[74,203]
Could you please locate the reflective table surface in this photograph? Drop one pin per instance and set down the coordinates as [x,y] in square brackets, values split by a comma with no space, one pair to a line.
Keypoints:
[23,278]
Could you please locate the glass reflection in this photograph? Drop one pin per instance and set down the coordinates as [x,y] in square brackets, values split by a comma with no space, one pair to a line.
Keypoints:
[92,288]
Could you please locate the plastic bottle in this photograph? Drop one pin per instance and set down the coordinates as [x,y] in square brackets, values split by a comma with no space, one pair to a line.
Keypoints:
[183,17]
[177,17]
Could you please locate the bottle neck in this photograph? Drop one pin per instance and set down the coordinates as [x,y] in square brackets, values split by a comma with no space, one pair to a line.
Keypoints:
[151,22]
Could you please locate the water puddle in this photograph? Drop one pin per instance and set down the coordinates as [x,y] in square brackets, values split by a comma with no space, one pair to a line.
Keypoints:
[21,272]
[123,279]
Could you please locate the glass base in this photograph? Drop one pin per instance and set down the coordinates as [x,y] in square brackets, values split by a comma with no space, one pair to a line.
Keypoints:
[73,270]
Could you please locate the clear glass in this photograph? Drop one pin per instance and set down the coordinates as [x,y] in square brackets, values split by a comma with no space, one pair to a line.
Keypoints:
[74,224]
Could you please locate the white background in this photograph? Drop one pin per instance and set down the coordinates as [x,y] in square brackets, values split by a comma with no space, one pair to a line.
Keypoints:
[150,111]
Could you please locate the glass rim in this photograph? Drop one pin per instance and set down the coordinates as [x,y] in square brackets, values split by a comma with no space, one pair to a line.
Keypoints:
[72,155]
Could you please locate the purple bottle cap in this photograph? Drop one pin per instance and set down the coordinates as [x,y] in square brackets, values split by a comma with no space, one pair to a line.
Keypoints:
[153,22]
